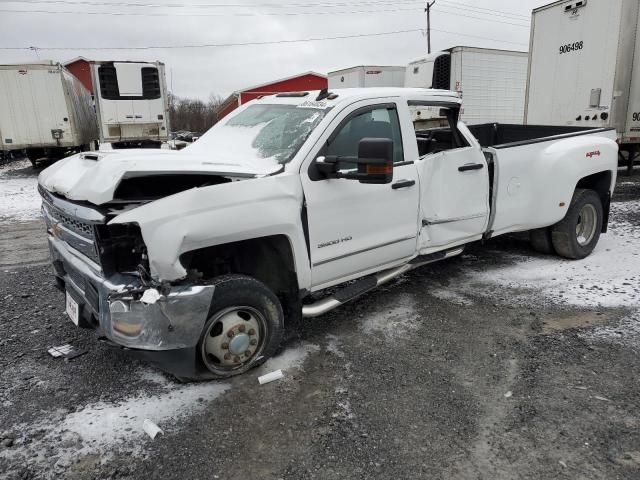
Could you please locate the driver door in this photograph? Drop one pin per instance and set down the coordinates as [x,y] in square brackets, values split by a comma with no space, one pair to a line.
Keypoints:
[356,228]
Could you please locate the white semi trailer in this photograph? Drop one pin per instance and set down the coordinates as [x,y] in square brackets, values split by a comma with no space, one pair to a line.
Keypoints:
[584,68]
[492,83]
[45,112]
[367,76]
[131,103]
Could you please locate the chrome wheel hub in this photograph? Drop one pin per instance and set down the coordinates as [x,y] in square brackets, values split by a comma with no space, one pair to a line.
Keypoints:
[239,344]
[233,338]
[587,224]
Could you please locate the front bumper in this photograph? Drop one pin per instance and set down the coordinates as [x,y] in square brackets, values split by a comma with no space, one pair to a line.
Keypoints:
[113,307]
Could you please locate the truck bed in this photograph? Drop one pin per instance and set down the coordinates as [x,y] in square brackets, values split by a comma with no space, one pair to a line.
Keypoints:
[503,135]
[499,135]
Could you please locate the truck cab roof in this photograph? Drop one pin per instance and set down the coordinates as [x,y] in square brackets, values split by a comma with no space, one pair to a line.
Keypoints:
[351,95]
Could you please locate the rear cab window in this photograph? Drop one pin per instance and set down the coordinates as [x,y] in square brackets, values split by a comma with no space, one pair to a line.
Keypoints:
[436,128]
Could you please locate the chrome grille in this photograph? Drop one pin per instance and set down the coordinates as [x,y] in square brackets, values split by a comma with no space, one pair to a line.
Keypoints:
[73,224]
[76,278]
[77,233]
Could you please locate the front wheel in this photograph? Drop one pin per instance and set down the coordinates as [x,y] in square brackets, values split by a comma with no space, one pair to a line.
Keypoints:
[577,234]
[245,327]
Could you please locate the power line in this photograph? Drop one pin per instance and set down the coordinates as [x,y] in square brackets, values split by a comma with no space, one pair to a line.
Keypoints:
[488,10]
[479,37]
[321,4]
[212,5]
[254,14]
[225,14]
[457,14]
[214,45]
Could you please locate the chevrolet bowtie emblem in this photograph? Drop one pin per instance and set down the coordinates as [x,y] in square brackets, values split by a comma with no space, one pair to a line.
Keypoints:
[56,230]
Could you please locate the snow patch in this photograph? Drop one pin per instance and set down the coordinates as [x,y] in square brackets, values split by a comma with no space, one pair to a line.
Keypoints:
[103,424]
[290,358]
[626,332]
[101,427]
[451,296]
[393,322]
[333,346]
[609,277]
[19,198]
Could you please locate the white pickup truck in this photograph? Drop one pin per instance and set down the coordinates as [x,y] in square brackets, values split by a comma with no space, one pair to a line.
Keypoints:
[295,204]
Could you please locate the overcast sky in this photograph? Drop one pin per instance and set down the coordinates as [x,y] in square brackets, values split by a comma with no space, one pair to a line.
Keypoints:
[197,72]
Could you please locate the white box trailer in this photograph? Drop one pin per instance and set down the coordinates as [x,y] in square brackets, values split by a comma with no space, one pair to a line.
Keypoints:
[44,111]
[131,103]
[492,83]
[584,67]
[365,76]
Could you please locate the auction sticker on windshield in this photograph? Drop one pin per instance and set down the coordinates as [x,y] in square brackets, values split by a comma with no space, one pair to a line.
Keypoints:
[313,104]
[72,309]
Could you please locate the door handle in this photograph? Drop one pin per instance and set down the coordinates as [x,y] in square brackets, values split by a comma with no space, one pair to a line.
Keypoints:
[471,166]
[403,184]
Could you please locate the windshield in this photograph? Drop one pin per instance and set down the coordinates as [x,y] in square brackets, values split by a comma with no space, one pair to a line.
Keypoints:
[261,133]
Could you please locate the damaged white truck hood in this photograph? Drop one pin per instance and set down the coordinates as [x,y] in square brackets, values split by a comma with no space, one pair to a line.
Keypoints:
[94,176]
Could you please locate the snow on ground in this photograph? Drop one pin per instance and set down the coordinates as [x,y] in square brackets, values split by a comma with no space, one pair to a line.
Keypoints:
[103,428]
[393,321]
[289,359]
[609,277]
[19,199]
[626,332]
[99,428]
[451,296]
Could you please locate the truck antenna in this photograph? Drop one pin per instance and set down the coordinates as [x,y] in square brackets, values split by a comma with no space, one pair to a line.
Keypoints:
[428,10]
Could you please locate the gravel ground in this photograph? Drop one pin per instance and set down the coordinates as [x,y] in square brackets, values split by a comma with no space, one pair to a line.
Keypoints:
[493,365]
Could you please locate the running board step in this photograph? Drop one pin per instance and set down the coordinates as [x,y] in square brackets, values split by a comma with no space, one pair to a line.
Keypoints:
[370,282]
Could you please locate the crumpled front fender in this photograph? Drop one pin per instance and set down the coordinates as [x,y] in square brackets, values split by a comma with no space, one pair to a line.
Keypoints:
[219,214]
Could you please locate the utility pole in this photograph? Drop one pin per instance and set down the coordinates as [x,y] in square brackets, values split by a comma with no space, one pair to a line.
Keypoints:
[428,10]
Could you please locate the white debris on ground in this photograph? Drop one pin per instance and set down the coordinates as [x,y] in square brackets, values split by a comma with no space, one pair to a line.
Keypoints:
[393,321]
[19,199]
[609,277]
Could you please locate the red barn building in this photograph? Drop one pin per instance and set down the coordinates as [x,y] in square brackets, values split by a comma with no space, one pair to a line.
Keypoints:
[80,69]
[302,82]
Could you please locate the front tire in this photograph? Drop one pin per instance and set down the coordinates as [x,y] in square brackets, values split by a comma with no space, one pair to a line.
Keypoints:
[577,234]
[245,327]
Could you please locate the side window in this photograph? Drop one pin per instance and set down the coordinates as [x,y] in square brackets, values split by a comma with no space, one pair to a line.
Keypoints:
[375,123]
[438,132]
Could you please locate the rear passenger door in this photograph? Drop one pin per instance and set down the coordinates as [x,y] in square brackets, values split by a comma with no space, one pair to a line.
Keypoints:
[454,179]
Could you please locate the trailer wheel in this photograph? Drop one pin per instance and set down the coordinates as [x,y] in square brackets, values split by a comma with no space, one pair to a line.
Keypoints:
[577,234]
[540,239]
[245,327]
[34,154]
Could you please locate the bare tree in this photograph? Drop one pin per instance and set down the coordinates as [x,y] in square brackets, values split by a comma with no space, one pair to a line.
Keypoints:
[193,115]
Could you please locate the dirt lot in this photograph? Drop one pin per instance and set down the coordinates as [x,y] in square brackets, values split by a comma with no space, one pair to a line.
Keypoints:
[499,364]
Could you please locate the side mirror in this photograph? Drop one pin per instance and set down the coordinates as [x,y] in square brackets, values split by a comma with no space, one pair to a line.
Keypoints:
[375,160]
[374,163]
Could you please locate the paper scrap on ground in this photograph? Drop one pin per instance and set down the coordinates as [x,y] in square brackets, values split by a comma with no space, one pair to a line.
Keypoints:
[67,351]
[270,377]
[151,428]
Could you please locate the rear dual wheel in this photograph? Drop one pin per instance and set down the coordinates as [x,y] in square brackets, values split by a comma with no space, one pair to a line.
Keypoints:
[577,234]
